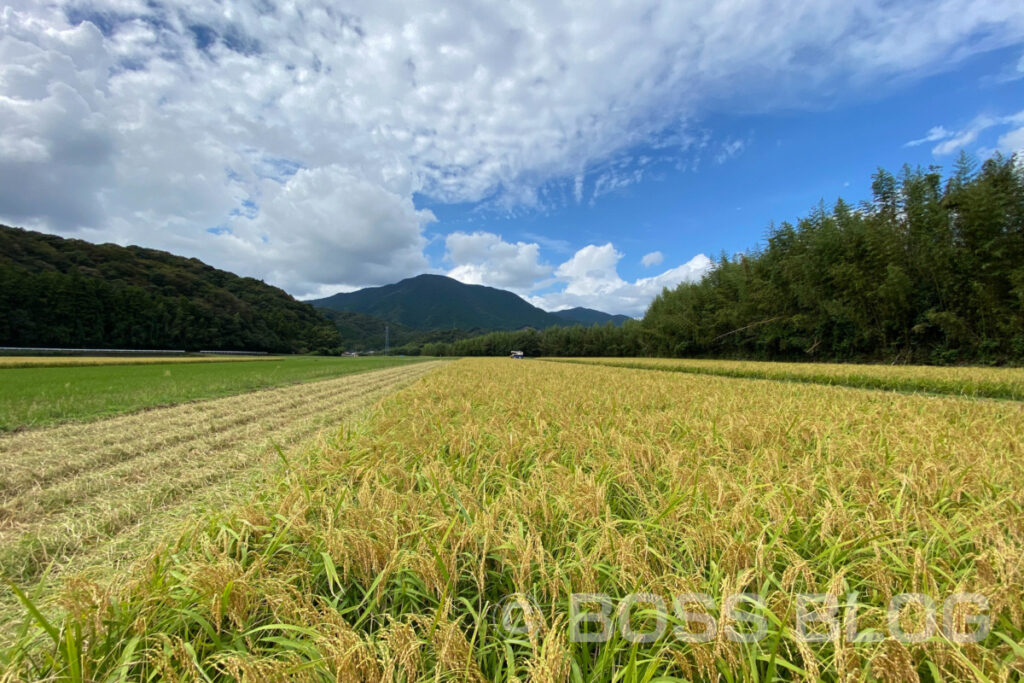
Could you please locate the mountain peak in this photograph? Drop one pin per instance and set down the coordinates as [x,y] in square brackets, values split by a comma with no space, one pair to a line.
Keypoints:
[589,316]
[435,302]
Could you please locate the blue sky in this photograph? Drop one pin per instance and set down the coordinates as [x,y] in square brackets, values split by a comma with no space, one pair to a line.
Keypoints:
[574,157]
[789,162]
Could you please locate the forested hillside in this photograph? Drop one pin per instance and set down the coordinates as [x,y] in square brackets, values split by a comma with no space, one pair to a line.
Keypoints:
[435,302]
[361,332]
[930,271]
[58,292]
[588,316]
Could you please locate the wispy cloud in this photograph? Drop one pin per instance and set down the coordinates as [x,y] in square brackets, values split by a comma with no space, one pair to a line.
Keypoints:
[614,180]
[934,134]
[951,141]
[1012,72]
[729,149]
[550,243]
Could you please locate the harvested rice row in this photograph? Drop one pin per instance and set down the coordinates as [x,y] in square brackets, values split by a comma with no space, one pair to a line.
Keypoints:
[976,382]
[61,496]
[49,496]
[33,458]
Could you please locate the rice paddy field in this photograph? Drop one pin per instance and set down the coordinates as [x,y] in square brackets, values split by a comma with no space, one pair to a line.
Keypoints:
[91,388]
[961,381]
[88,496]
[488,519]
[62,361]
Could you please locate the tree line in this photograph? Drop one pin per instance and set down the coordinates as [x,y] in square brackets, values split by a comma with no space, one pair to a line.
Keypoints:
[931,270]
[361,332]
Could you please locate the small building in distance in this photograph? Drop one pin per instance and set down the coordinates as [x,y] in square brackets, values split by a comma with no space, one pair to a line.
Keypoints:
[516,354]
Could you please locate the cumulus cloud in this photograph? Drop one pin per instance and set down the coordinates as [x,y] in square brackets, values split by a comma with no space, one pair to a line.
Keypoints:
[652,259]
[591,279]
[358,229]
[250,133]
[56,147]
[483,258]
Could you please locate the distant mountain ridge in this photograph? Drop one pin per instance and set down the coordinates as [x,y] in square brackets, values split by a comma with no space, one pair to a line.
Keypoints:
[435,302]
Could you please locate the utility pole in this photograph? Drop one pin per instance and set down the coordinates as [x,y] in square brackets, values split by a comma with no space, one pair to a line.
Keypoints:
[387,339]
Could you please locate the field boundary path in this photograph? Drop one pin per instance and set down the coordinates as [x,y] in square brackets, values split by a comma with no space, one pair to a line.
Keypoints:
[92,494]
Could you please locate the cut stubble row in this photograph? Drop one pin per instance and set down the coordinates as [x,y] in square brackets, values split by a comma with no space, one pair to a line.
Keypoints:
[67,488]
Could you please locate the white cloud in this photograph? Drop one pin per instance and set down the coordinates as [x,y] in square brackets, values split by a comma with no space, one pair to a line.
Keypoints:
[295,125]
[615,179]
[729,149]
[1013,142]
[577,190]
[56,149]
[652,259]
[483,258]
[592,280]
[955,140]
[591,270]
[959,141]
[589,278]
[349,228]
[934,134]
